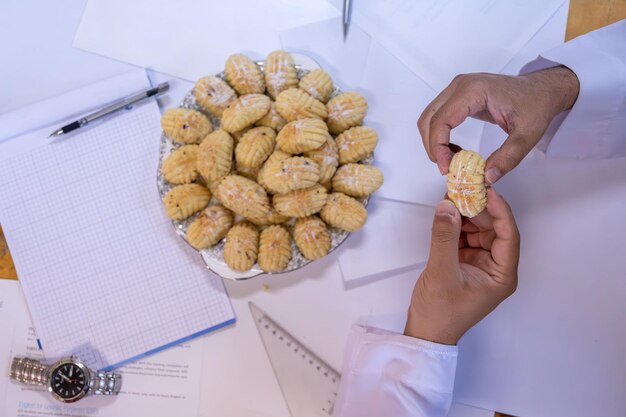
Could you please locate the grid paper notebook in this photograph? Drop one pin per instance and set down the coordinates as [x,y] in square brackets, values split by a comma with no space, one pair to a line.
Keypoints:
[104,274]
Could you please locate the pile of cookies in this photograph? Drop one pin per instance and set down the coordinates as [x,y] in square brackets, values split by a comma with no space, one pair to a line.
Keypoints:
[285,163]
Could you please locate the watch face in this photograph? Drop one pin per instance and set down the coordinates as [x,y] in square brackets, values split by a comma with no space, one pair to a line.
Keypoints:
[68,381]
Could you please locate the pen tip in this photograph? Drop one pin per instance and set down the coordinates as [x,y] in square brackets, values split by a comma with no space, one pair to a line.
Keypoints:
[55,133]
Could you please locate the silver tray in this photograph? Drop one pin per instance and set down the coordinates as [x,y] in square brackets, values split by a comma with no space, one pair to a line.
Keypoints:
[213,256]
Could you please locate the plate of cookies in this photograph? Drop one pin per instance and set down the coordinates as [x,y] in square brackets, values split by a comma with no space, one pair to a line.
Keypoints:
[267,166]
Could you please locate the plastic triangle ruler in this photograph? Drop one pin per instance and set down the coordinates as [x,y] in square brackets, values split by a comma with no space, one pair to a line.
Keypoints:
[308,384]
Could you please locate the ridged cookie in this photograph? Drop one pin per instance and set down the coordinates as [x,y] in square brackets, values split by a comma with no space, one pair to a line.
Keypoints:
[209,227]
[312,237]
[213,94]
[241,247]
[295,104]
[357,180]
[272,217]
[243,196]
[327,157]
[345,111]
[185,125]
[301,203]
[244,75]
[289,174]
[356,143]
[280,73]
[272,119]
[344,212]
[180,167]
[302,135]
[318,85]
[276,157]
[255,147]
[466,183]
[184,200]
[274,249]
[215,156]
[245,111]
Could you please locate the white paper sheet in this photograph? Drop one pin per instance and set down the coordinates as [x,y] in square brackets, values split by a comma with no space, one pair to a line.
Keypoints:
[345,61]
[438,40]
[191,38]
[165,384]
[399,233]
[37,36]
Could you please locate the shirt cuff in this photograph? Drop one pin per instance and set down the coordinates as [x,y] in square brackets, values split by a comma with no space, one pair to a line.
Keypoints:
[388,372]
[592,128]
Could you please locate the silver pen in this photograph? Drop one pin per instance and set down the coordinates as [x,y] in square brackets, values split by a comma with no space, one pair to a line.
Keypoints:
[347,12]
[118,105]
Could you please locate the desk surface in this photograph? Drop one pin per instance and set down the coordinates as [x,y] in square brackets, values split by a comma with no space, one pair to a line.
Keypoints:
[584,16]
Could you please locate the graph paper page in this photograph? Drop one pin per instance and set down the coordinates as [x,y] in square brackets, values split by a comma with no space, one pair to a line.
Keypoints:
[104,274]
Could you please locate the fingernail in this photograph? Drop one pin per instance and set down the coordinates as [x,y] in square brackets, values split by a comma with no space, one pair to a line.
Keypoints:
[493,175]
[441,171]
[446,207]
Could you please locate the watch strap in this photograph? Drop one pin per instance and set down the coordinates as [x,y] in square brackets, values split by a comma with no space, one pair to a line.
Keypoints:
[104,383]
[28,371]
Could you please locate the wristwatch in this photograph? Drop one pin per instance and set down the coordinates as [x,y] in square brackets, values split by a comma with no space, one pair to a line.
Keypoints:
[68,380]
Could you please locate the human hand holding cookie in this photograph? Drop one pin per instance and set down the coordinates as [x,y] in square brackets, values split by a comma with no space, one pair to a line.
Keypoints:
[471,269]
[522,106]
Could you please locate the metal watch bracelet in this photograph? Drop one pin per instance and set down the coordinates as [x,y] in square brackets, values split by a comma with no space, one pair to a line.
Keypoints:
[29,371]
[104,383]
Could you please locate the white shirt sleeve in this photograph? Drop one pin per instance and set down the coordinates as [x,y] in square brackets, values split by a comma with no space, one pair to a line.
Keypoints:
[388,374]
[596,126]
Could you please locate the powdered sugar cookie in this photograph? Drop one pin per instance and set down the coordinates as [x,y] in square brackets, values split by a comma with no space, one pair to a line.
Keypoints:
[213,94]
[184,200]
[185,125]
[255,147]
[344,212]
[280,73]
[466,183]
[356,143]
[302,135]
[345,111]
[180,166]
[290,174]
[241,247]
[295,104]
[317,84]
[215,156]
[312,237]
[274,249]
[245,111]
[243,196]
[209,227]
[244,75]
[301,203]
[357,180]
